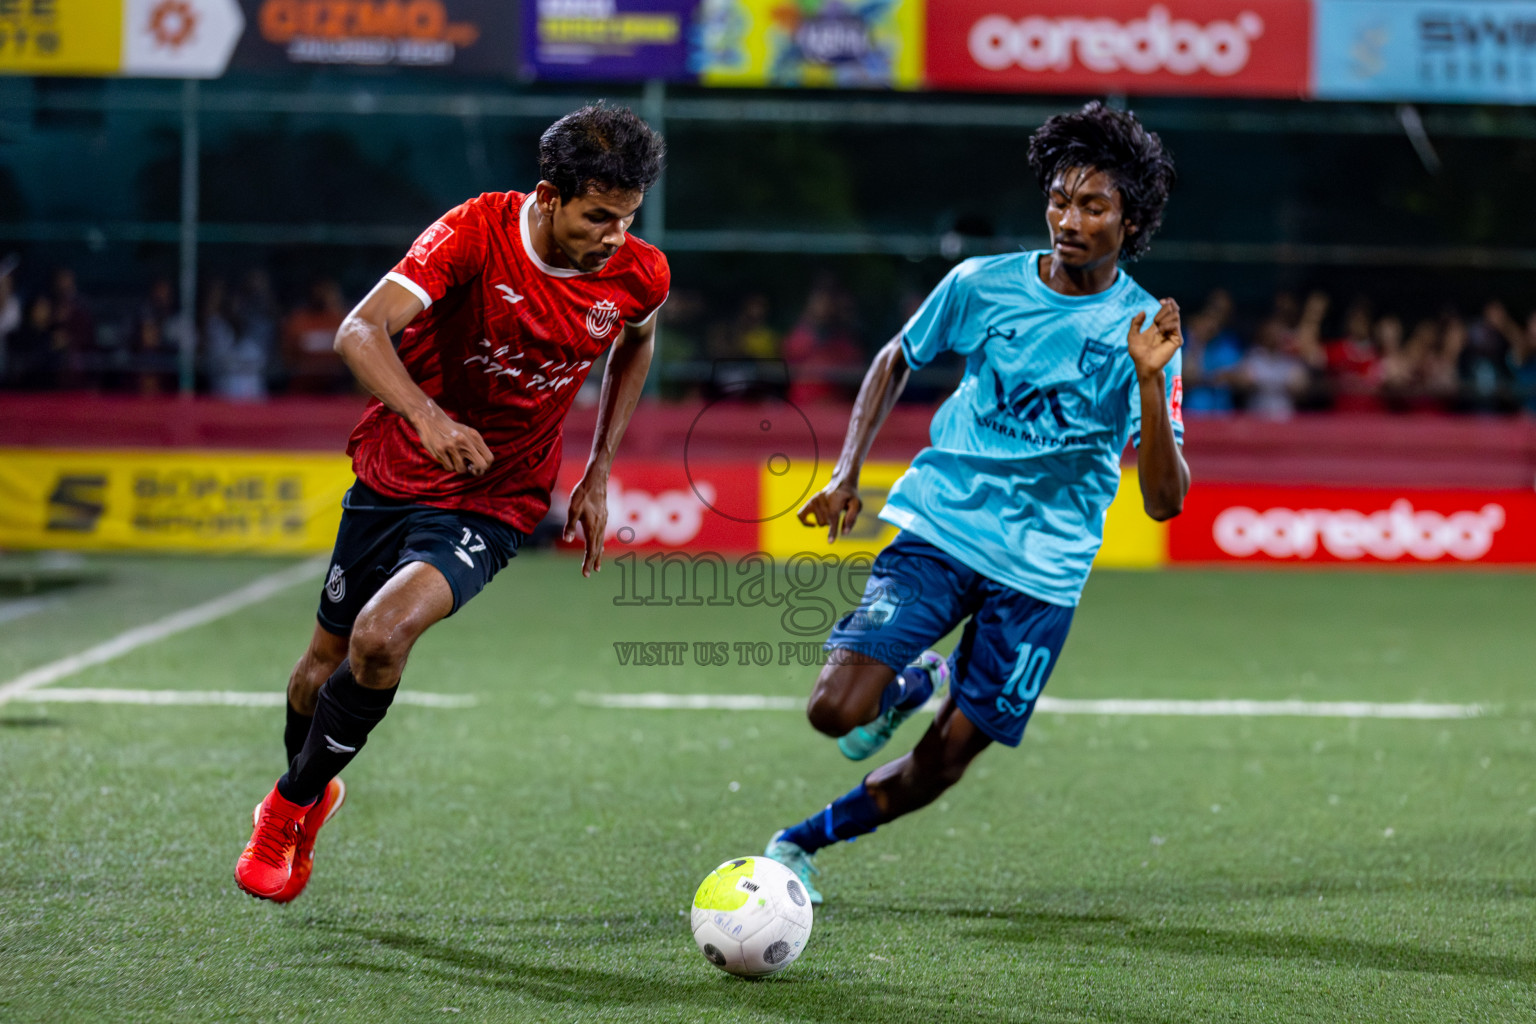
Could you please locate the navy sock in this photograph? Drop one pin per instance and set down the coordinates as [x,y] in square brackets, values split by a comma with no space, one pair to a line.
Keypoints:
[910,689]
[851,815]
[345,714]
[295,732]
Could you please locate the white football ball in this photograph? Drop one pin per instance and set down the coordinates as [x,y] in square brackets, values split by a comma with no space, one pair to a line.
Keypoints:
[751,916]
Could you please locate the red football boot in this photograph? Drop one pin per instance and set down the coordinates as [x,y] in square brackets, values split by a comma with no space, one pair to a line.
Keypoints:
[264,868]
[304,857]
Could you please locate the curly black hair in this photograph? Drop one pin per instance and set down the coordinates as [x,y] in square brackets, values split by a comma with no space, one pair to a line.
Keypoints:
[600,148]
[1112,141]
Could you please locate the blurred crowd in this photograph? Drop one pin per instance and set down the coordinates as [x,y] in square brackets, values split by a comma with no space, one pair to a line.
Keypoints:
[1301,356]
[1298,355]
[245,345]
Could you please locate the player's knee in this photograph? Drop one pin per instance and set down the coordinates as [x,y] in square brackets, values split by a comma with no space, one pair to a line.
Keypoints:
[831,712]
[379,648]
[824,717]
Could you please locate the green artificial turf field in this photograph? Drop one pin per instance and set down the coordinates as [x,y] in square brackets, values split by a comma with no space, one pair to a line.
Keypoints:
[532,858]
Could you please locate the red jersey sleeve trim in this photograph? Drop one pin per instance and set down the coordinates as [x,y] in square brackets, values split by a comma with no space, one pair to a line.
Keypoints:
[649,316]
[410,286]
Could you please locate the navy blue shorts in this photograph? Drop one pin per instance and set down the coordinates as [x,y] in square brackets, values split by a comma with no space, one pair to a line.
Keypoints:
[379,536]
[917,593]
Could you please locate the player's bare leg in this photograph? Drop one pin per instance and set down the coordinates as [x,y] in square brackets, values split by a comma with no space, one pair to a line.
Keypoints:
[917,778]
[323,657]
[388,627]
[847,692]
[852,692]
[346,708]
[863,702]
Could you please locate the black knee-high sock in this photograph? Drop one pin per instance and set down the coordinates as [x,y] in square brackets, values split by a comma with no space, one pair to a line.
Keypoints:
[344,715]
[295,732]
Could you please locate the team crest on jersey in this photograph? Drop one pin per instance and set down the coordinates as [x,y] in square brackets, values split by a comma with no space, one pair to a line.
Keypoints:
[601,318]
[336,584]
[1094,355]
[430,239]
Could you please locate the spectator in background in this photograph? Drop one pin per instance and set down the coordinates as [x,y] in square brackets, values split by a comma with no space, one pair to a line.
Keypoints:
[1439,378]
[746,335]
[1525,366]
[154,342]
[1396,376]
[154,358]
[73,340]
[1213,354]
[1352,364]
[1484,365]
[1272,375]
[309,336]
[10,316]
[754,338]
[823,348]
[39,352]
[237,363]
[255,313]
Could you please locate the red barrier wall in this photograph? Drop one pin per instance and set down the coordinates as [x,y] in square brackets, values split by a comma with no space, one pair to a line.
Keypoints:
[1340,450]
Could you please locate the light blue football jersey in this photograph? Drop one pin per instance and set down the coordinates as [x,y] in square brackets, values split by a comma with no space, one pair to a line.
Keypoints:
[1024,457]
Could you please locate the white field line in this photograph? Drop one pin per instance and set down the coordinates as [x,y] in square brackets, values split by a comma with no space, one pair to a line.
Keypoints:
[221,698]
[176,622]
[1060,706]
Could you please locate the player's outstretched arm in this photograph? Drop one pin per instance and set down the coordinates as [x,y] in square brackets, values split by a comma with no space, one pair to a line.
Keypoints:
[837,505]
[623,380]
[363,343]
[1160,465]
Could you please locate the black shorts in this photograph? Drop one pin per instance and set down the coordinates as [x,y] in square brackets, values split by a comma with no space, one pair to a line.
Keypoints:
[379,536]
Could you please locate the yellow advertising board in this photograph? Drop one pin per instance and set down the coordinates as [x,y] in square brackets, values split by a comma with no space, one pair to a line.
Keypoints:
[1131,540]
[61,37]
[222,502]
[814,43]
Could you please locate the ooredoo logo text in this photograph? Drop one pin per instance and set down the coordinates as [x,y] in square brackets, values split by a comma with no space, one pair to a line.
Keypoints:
[1192,47]
[1388,534]
[1142,46]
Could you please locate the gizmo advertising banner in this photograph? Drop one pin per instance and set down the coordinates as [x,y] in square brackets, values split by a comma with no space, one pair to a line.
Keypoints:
[464,36]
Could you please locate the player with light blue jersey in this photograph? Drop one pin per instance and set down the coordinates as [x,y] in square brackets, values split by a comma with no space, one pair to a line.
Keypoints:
[1025,455]
[1066,359]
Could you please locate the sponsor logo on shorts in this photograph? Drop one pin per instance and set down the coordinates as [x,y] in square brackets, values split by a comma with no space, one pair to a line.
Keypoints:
[336,584]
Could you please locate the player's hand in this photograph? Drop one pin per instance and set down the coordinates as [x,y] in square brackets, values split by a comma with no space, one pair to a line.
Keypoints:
[1151,349]
[589,507]
[457,447]
[836,506]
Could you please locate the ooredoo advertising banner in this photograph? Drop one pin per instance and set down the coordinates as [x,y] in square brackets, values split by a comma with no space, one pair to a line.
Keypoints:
[704,506]
[1467,51]
[1366,527]
[612,39]
[1210,47]
[466,36]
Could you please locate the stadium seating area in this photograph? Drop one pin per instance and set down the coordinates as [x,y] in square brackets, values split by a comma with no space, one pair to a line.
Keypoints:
[1299,355]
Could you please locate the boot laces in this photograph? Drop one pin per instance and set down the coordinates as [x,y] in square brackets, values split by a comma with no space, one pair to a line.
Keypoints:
[275,839]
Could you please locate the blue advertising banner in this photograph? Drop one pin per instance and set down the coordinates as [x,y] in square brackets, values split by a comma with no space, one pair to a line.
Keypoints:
[621,40]
[1462,51]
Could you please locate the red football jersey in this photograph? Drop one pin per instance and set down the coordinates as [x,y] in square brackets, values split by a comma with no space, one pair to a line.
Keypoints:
[504,344]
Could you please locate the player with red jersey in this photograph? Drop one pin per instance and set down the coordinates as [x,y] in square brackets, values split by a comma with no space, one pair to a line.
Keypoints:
[504,303]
